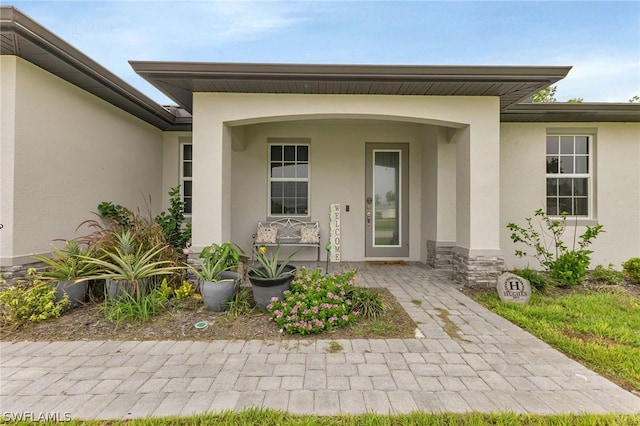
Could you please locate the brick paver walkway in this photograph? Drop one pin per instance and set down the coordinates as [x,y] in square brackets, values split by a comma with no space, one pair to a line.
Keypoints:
[483,364]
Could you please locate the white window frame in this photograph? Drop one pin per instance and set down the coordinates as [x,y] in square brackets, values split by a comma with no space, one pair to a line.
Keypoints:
[590,175]
[289,142]
[184,178]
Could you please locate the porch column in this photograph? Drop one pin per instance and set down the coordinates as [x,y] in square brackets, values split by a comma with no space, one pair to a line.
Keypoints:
[211,217]
[477,258]
[439,200]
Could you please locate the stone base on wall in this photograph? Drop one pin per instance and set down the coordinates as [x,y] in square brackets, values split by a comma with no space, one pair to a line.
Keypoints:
[482,270]
[11,274]
[439,254]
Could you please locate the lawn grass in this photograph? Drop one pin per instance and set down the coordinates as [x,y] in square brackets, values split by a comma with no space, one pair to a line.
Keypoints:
[271,417]
[599,329]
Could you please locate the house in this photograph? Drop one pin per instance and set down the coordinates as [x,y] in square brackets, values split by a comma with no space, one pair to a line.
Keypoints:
[427,163]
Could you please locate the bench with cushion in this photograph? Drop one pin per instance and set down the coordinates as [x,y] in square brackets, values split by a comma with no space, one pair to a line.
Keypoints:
[288,232]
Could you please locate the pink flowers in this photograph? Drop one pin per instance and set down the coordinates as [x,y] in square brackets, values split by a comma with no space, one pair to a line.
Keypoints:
[314,303]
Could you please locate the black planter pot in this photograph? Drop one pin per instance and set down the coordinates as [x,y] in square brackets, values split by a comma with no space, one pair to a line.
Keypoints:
[264,289]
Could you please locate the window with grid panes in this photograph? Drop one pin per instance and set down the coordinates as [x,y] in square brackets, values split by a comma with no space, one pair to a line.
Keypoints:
[288,179]
[186,175]
[569,175]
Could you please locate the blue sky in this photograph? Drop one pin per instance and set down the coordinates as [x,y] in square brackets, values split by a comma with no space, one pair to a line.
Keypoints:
[601,40]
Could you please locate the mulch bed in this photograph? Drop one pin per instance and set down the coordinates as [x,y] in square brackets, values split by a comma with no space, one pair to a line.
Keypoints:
[177,323]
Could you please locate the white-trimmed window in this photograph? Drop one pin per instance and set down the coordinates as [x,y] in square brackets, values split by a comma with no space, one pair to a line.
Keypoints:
[569,175]
[186,175]
[288,177]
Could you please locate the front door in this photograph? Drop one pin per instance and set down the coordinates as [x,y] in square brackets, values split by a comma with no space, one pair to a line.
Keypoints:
[387,200]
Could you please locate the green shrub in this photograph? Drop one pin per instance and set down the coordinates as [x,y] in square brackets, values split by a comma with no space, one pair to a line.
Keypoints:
[31,299]
[570,268]
[369,304]
[538,280]
[631,269]
[566,266]
[315,303]
[116,213]
[241,304]
[135,309]
[607,276]
[172,223]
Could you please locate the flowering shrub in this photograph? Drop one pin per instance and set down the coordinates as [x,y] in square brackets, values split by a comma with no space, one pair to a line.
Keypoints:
[315,302]
[31,299]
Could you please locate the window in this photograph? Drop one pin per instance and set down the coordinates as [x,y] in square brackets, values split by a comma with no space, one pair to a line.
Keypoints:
[186,175]
[569,175]
[288,179]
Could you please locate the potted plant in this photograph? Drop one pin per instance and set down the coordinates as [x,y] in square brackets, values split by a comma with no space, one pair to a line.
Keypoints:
[219,282]
[127,267]
[65,269]
[272,277]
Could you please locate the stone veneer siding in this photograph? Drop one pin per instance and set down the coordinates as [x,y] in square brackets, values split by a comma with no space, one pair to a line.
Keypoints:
[477,270]
[11,274]
[439,256]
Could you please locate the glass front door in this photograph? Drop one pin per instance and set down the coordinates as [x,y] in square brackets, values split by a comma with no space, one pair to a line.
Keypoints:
[386,200]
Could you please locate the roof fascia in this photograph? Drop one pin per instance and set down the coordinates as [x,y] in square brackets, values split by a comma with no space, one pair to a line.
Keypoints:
[363,72]
[13,20]
[598,107]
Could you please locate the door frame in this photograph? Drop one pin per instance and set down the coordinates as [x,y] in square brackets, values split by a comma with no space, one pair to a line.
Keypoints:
[402,249]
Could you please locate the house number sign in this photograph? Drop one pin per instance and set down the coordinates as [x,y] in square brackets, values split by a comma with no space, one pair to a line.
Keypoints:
[334,232]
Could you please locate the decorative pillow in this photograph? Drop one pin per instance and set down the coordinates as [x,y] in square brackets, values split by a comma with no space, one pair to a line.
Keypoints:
[266,235]
[309,235]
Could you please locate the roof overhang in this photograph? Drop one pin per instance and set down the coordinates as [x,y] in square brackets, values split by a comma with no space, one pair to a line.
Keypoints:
[572,112]
[23,37]
[179,80]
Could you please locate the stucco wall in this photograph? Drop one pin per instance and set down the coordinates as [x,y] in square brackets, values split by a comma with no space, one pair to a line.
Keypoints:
[617,182]
[72,150]
[7,151]
[217,115]
[337,168]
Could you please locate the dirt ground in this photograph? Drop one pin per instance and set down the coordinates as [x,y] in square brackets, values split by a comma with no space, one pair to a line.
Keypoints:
[178,323]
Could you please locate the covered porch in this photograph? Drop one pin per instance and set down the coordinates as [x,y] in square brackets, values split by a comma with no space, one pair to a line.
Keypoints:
[443,122]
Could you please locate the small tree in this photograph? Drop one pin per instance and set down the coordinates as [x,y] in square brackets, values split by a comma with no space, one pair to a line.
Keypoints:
[567,267]
[547,94]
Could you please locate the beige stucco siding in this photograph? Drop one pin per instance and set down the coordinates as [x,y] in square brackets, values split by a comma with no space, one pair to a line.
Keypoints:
[72,150]
[337,166]
[616,183]
[7,151]
[473,132]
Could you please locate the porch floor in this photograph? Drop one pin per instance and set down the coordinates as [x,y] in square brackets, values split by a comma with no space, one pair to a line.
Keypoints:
[488,365]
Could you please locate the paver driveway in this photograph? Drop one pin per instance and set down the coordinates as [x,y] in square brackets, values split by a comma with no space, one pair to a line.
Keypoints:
[484,364]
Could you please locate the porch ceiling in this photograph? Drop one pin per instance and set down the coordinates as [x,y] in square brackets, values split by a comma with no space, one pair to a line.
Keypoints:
[179,80]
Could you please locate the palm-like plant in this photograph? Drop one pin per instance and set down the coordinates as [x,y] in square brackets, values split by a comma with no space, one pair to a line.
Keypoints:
[210,270]
[125,262]
[271,266]
[68,264]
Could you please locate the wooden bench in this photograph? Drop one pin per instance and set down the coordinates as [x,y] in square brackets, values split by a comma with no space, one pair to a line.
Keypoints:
[289,233]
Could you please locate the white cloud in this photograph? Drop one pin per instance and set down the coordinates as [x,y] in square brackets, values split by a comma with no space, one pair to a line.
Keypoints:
[602,77]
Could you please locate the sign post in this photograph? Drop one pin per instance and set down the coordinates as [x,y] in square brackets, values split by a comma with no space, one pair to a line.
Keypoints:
[334,232]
